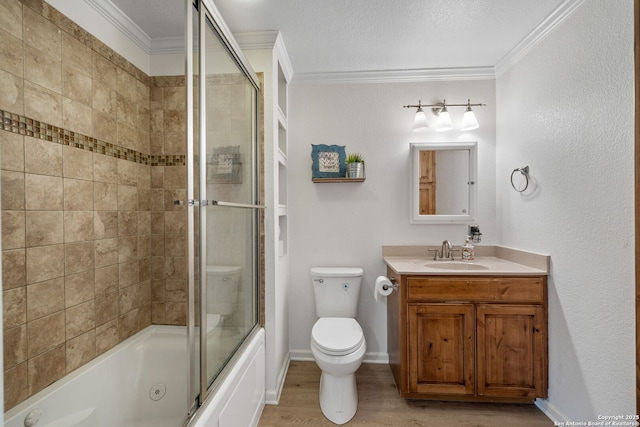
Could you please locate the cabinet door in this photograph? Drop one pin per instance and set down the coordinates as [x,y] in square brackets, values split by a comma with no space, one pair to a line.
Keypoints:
[441,348]
[511,351]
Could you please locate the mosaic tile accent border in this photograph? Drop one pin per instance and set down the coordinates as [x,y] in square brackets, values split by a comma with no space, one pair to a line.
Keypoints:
[40,130]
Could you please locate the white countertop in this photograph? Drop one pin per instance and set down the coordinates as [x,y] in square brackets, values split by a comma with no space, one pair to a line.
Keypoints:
[510,262]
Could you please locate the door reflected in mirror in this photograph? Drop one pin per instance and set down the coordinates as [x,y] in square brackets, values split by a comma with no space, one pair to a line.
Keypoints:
[443,177]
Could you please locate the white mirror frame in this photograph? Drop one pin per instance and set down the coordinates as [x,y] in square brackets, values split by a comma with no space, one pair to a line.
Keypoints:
[414,197]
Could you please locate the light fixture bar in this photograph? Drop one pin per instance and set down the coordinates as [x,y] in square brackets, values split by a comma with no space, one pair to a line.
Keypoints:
[469,121]
[442,104]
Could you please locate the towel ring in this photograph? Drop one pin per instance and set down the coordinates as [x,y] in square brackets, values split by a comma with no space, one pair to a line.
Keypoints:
[525,172]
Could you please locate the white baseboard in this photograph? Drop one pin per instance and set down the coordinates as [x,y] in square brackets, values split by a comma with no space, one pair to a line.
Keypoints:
[307,356]
[551,411]
[272,397]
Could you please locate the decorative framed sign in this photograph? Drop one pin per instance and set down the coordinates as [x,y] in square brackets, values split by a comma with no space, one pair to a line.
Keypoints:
[224,166]
[328,161]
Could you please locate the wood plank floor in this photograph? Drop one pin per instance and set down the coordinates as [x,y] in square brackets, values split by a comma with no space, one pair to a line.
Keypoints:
[380,405]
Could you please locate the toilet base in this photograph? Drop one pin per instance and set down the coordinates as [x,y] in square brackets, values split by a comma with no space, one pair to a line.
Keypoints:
[338,397]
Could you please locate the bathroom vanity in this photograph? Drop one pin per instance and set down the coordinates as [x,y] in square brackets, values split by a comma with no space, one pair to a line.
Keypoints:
[468,331]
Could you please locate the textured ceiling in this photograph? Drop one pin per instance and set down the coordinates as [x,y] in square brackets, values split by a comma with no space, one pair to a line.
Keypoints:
[369,35]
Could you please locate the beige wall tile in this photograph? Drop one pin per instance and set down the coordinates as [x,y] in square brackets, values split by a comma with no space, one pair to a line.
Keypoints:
[106,252]
[14,346]
[46,368]
[78,257]
[175,222]
[11,151]
[104,127]
[105,169]
[79,288]
[40,33]
[77,163]
[14,271]
[127,173]
[158,313]
[127,198]
[106,307]
[175,143]
[14,307]
[104,99]
[144,290]
[11,54]
[157,199]
[44,228]
[127,248]
[144,265]
[175,268]
[176,290]
[157,267]
[42,69]
[157,245]
[158,291]
[143,176]
[144,316]
[80,318]
[170,196]
[104,71]
[13,229]
[175,245]
[15,385]
[78,226]
[11,92]
[45,263]
[75,54]
[11,18]
[175,177]
[77,85]
[12,190]
[127,136]
[77,116]
[81,350]
[42,104]
[129,273]
[78,195]
[144,199]
[45,298]
[127,223]
[128,299]
[42,157]
[174,98]
[43,192]
[128,324]
[144,222]
[176,313]
[106,336]
[105,224]
[157,121]
[45,333]
[107,279]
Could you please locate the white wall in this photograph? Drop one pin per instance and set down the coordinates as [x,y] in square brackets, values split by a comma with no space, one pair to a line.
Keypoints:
[566,110]
[347,224]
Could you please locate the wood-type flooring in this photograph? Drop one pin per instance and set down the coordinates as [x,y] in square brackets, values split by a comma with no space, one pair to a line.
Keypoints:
[380,405]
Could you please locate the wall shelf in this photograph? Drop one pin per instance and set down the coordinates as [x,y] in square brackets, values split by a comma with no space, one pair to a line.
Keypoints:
[327,180]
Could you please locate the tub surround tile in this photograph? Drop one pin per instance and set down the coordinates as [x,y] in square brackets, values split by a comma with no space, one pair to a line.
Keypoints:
[158,313]
[46,368]
[45,333]
[78,257]
[106,336]
[14,307]
[128,324]
[77,116]
[176,313]
[14,346]
[45,263]
[43,192]
[105,224]
[77,163]
[80,350]
[107,279]
[79,288]
[42,104]
[14,269]
[11,18]
[11,54]
[45,298]
[106,308]
[80,319]
[40,33]
[78,195]
[127,249]
[128,274]
[77,55]
[105,169]
[106,252]
[78,226]
[13,190]
[43,228]
[42,69]
[128,299]
[16,385]
[11,92]
[77,85]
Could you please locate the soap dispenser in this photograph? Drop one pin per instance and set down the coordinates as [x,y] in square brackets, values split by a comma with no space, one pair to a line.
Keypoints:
[468,250]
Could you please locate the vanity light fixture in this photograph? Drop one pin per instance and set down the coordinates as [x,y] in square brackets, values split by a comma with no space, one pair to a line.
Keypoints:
[469,121]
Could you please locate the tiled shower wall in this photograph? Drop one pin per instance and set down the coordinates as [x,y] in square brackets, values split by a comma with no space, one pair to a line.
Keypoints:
[91,157]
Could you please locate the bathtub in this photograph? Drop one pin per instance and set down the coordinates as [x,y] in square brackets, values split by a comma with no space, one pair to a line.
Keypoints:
[142,382]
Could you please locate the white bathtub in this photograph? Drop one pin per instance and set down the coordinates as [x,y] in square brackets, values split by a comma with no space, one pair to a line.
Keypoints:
[142,382]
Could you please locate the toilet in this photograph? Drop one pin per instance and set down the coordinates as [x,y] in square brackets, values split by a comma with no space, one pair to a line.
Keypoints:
[337,340]
[223,286]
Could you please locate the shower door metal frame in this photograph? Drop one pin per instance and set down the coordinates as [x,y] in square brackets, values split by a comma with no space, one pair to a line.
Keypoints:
[209,15]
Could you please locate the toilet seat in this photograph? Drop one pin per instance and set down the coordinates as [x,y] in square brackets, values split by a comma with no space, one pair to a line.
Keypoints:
[337,336]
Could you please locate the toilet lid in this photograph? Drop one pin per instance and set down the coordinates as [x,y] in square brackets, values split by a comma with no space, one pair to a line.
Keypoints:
[337,335]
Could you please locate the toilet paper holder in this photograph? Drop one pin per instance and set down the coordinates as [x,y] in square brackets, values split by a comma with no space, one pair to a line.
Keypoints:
[394,284]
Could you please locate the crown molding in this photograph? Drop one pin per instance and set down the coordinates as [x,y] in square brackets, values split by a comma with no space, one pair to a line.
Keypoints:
[167,45]
[389,76]
[550,23]
[122,22]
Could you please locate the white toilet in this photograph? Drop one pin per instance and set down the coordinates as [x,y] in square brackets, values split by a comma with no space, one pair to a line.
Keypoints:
[337,341]
[223,286]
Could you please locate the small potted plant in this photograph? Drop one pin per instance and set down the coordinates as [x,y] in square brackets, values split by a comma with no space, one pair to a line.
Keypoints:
[355,165]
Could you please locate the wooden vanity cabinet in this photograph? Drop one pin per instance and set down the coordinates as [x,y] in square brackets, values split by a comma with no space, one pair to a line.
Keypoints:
[480,338]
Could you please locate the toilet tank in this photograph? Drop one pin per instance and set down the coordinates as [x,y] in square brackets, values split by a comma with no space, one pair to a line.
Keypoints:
[336,290]
[223,286]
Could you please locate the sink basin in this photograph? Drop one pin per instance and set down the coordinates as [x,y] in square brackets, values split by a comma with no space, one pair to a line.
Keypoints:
[455,265]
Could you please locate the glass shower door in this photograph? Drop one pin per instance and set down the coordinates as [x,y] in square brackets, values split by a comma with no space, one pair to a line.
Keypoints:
[225,202]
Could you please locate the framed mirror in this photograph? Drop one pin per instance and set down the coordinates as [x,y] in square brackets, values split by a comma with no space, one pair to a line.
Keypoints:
[443,182]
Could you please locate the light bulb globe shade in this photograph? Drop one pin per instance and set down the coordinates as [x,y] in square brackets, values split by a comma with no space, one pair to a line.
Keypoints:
[444,121]
[469,121]
[420,121]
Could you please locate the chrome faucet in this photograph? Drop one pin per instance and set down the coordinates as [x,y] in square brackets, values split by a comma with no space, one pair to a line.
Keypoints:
[445,252]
